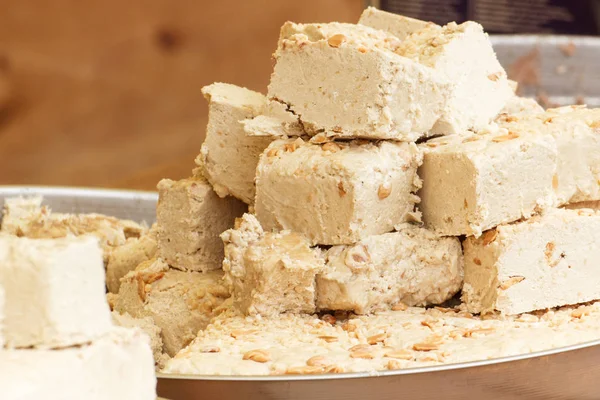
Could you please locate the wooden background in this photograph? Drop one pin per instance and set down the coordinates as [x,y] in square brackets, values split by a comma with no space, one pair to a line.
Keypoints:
[107,92]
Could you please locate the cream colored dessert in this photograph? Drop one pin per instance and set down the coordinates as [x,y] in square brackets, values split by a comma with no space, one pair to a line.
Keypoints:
[518,106]
[27,217]
[190,218]
[397,25]
[270,273]
[228,156]
[576,130]
[412,266]
[147,326]
[300,344]
[54,291]
[336,193]
[118,365]
[345,80]
[180,303]
[547,261]
[125,258]
[473,182]
[464,55]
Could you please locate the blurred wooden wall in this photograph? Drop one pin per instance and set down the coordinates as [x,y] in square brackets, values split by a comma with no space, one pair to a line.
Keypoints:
[107,92]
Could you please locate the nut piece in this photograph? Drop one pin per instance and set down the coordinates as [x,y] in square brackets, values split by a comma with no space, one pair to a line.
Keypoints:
[329,339]
[400,306]
[489,236]
[425,346]
[401,354]
[503,138]
[330,146]
[513,280]
[384,191]
[494,77]
[380,337]
[261,356]
[393,364]
[329,318]
[317,361]
[336,40]
[367,355]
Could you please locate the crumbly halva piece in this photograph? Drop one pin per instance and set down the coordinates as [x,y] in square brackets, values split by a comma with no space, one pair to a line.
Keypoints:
[26,217]
[336,193]
[118,365]
[576,130]
[127,257]
[518,106]
[180,303]
[300,344]
[270,273]
[397,25]
[190,218]
[146,325]
[412,266]
[546,261]
[473,182]
[228,156]
[464,55]
[361,87]
[54,291]
[276,121]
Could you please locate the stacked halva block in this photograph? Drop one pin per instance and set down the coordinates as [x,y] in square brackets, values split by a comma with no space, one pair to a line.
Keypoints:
[378,149]
[58,340]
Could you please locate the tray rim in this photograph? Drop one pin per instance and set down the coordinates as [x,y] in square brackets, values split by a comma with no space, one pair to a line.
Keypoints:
[17,190]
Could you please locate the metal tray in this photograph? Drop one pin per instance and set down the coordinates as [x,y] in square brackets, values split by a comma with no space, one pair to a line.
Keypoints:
[565,373]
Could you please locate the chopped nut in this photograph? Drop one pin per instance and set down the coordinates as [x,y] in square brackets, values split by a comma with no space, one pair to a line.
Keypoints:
[141,287]
[334,369]
[368,355]
[329,339]
[240,332]
[401,354]
[330,146]
[503,138]
[380,337]
[290,147]
[477,261]
[384,191]
[400,306]
[319,138]
[363,50]
[425,346]
[273,152]
[317,361]
[527,318]
[304,370]
[555,182]
[478,331]
[393,364]
[473,138]
[489,236]
[550,246]
[336,40]
[348,327]
[513,280]
[432,145]
[155,277]
[359,347]
[329,318]
[341,189]
[261,356]
[580,312]
[495,76]
[466,204]
[429,323]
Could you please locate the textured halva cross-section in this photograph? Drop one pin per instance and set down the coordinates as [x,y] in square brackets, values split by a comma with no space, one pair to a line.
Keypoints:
[547,261]
[336,193]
